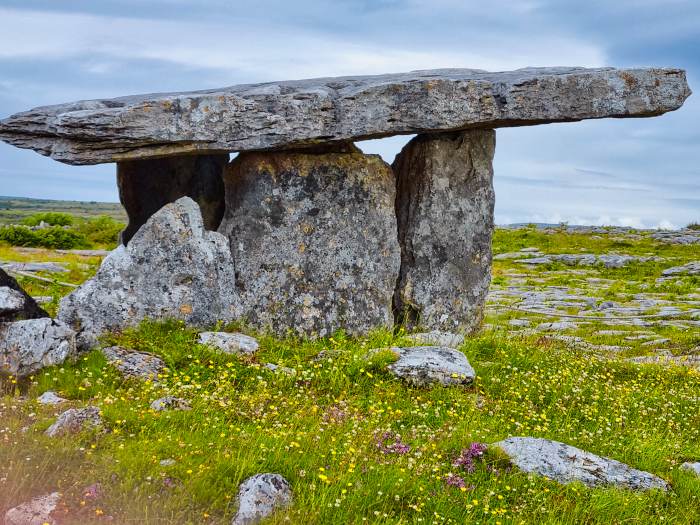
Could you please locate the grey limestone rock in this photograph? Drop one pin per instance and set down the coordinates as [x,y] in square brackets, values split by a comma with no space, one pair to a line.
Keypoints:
[229,343]
[281,115]
[34,512]
[692,467]
[28,346]
[436,338]
[427,365]
[444,209]
[259,496]
[170,403]
[313,235]
[15,303]
[172,268]
[134,364]
[75,420]
[50,398]
[11,301]
[566,464]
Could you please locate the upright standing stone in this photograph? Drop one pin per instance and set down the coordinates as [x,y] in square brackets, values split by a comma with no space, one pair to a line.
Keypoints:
[145,186]
[313,236]
[444,209]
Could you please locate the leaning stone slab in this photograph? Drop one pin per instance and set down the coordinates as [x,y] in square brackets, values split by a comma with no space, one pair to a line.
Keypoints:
[172,268]
[75,420]
[133,364]
[444,209]
[281,115]
[313,236]
[15,303]
[566,464]
[229,343]
[259,496]
[35,512]
[424,366]
[28,346]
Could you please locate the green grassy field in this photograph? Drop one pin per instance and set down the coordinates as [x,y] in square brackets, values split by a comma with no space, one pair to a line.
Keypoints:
[325,428]
[14,209]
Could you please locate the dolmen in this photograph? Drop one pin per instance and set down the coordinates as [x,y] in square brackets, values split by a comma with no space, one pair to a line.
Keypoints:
[302,232]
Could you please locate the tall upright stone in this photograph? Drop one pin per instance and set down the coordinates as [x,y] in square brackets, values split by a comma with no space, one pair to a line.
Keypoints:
[145,186]
[313,235]
[444,209]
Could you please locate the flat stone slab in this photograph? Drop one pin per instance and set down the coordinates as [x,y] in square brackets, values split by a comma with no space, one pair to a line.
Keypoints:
[282,115]
[566,464]
[424,366]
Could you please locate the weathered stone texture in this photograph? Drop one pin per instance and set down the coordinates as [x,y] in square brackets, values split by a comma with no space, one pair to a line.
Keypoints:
[172,268]
[145,186]
[15,303]
[259,496]
[424,366]
[282,115]
[444,209]
[314,239]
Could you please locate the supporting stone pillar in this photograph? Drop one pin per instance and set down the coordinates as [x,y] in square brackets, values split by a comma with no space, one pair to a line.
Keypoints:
[444,208]
[314,240]
[145,186]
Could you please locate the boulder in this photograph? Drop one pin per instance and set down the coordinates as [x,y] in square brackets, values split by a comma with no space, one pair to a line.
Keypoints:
[28,346]
[35,512]
[566,464]
[259,496]
[15,303]
[229,343]
[75,420]
[444,209]
[145,186]
[424,366]
[313,235]
[134,365]
[172,268]
[282,115]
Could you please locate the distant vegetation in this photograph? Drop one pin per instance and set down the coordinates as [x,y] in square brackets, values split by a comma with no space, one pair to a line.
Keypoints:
[13,210]
[694,226]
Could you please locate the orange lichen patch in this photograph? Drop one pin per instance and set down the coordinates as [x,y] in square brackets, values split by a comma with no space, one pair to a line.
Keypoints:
[630,80]
[186,309]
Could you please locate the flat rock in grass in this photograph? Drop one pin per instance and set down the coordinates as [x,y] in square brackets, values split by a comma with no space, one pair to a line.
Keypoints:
[692,467]
[49,398]
[170,403]
[11,309]
[75,420]
[692,268]
[436,338]
[48,267]
[427,365]
[229,343]
[667,359]
[35,512]
[259,496]
[281,369]
[133,364]
[556,326]
[172,268]
[566,464]
[28,346]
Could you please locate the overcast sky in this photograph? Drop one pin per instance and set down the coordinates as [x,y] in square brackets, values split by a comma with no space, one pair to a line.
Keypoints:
[637,172]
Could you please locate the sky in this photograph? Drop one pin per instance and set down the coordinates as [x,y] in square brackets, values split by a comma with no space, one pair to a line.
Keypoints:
[631,172]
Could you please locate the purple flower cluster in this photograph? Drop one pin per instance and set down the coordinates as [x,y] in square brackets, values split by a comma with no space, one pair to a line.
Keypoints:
[469,456]
[453,480]
[390,443]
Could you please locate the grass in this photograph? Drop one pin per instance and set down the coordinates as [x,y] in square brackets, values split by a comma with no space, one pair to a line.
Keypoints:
[322,427]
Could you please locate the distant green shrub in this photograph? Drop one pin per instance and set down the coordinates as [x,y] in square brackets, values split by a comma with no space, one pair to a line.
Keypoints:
[49,217]
[694,226]
[54,237]
[102,230]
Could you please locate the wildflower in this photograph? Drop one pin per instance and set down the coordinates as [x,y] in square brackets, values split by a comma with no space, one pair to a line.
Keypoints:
[468,456]
[386,446]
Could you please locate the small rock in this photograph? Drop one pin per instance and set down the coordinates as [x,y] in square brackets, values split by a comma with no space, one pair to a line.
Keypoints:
[35,512]
[556,326]
[519,322]
[28,346]
[436,338]
[10,294]
[75,420]
[49,398]
[426,365]
[692,268]
[133,364]
[167,462]
[259,496]
[281,369]
[661,341]
[229,343]
[692,467]
[170,403]
[566,464]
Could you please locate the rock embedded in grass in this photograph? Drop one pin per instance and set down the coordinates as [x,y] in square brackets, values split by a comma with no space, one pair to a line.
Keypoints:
[172,268]
[693,467]
[28,346]
[133,364]
[424,366]
[35,512]
[50,398]
[229,343]
[75,420]
[566,464]
[170,403]
[259,496]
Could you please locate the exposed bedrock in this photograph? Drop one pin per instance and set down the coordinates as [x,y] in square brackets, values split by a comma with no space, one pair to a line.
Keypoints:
[314,239]
[444,208]
[145,186]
